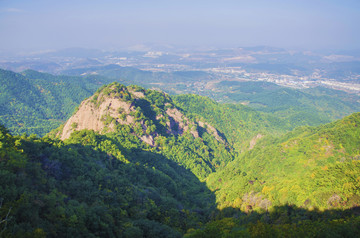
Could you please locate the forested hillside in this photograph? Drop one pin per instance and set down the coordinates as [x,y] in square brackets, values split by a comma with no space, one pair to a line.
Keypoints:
[92,186]
[97,185]
[311,167]
[34,102]
[241,125]
[137,162]
[302,184]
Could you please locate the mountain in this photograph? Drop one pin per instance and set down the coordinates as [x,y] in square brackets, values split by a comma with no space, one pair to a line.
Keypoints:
[134,162]
[149,119]
[128,105]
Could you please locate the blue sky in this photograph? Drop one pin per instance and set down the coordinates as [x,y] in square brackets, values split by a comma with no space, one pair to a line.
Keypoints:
[110,24]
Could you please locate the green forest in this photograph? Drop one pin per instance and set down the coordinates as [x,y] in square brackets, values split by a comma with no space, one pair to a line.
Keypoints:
[144,163]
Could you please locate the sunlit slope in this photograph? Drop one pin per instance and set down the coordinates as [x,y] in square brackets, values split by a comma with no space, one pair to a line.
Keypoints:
[309,167]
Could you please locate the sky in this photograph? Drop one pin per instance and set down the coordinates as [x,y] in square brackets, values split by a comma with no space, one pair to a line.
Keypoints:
[115,24]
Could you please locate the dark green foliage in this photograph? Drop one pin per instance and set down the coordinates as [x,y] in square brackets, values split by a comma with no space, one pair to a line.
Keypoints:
[157,98]
[92,186]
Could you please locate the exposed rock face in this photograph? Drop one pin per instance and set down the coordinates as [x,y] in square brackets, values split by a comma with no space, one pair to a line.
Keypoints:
[148,139]
[137,94]
[176,123]
[91,117]
[183,124]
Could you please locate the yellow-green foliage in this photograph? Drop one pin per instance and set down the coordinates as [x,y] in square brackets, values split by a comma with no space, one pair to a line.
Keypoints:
[310,167]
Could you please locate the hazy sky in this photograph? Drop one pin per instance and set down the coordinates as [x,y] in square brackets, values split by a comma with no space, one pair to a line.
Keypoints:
[112,24]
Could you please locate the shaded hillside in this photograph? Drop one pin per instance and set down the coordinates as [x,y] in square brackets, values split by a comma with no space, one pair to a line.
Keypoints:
[92,186]
[282,221]
[309,167]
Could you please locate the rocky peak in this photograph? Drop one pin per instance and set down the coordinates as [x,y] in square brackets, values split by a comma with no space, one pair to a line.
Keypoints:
[147,113]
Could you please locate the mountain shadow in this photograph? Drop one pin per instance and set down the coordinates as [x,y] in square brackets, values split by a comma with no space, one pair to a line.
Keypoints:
[282,221]
[74,189]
